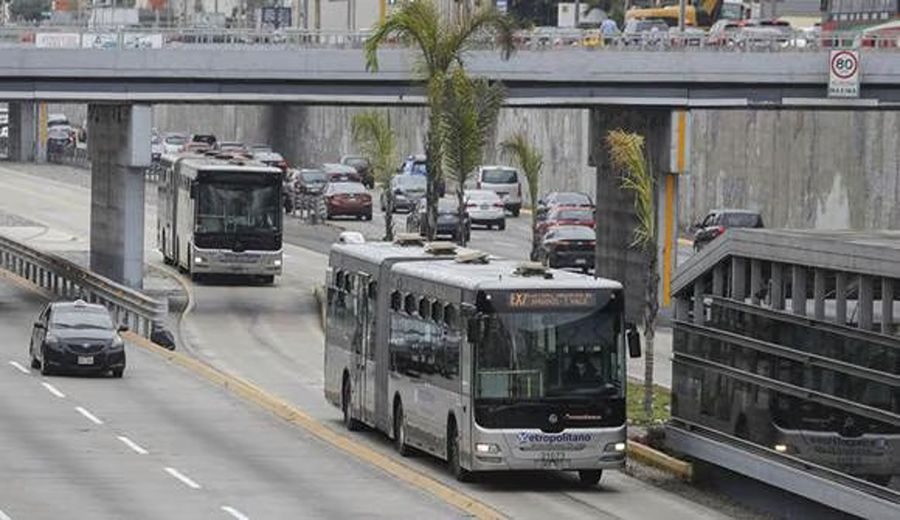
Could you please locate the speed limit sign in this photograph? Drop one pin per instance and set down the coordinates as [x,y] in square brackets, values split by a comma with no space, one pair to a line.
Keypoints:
[843,74]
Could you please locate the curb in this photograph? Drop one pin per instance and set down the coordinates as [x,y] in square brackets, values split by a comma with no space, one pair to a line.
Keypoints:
[651,457]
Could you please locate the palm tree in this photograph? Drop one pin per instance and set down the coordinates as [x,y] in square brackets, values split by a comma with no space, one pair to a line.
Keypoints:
[626,150]
[440,44]
[470,111]
[375,139]
[518,149]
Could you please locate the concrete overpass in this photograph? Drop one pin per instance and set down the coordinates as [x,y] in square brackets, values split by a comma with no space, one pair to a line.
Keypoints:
[558,77]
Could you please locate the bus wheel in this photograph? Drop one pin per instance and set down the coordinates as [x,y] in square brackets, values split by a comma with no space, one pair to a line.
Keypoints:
[349,422]
[589,477]
[400,432]
[456,469]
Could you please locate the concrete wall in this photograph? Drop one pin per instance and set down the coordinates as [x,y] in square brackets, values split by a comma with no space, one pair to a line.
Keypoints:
[802,169]
[310,135]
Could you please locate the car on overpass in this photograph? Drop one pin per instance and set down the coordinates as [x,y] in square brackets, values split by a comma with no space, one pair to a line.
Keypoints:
[717,221]
[77,337]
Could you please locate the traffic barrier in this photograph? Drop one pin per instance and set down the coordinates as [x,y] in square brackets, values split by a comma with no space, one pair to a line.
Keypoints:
[60,278]
[660,460]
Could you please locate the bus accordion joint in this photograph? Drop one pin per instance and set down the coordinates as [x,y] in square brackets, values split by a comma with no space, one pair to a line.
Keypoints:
[533,269]
[471,256]
[440,248]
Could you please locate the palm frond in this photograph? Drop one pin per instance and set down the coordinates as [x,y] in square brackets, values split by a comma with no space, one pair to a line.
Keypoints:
[487,21]
[374,137]
[626,152]
[416,22]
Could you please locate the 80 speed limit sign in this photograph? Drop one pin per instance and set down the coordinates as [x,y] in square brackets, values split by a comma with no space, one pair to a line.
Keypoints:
[843,74]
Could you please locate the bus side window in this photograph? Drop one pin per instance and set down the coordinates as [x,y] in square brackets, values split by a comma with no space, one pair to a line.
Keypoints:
[409,304]
[424,308]
[395,300]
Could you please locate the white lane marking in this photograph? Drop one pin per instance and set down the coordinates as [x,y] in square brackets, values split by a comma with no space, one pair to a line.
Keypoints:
[22,369]
[133,445]
[235,513]
[91,417]
[4,516]
[180,476]
[52,389]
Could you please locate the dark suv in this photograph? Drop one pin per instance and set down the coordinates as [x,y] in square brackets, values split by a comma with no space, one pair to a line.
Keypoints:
[717,221]
[77,336]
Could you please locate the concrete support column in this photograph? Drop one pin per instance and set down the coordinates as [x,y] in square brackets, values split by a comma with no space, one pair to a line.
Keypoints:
[865,302]
[27,137]
[777,289]
[119,149]
[887,305]
[698,301]
[819,294]
[738,278]
[840,298]
[798,290]
[615,207]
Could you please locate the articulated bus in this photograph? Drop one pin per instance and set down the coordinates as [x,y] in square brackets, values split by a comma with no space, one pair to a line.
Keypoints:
[218,216]
[816,391]
[488,364]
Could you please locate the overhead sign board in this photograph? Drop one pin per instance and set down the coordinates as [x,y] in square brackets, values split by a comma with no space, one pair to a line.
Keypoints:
[57,40]
[843,74]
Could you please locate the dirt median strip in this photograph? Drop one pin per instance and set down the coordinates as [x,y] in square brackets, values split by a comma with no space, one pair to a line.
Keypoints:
[295,416]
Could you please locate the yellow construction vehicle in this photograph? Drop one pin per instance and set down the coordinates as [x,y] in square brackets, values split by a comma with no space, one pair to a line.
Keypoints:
[698,13]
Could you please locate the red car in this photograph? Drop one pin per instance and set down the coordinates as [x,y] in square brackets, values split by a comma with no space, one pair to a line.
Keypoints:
[565,216]
[347,199]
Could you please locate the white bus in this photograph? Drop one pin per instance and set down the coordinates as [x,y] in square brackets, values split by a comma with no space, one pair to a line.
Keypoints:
[489,365]
[218,216]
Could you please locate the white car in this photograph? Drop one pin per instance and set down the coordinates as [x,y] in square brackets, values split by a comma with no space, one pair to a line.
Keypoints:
[505,181]
[485,208]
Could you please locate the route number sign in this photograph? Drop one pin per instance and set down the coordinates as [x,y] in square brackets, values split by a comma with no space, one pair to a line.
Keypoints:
[843,74]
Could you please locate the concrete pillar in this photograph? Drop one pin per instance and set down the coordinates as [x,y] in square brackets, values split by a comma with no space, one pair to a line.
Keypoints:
[865,301]
[887,305]
[23,132]
[840,298]
[119,149]
[798,290]
[718,284]
[698,300]
[667,224]
[615,207]
[738,278]
[819,294]
[756,281]
[777,283]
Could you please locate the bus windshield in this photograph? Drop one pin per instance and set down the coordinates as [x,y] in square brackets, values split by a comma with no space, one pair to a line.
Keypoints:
[550,356]
[237,208]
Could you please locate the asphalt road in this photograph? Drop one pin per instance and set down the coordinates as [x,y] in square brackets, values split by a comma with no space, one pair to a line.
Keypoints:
[272,336]
[161,443]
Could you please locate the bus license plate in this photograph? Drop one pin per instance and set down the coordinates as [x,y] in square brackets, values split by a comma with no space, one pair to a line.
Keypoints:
[553,459]
[85,360]
[581,261]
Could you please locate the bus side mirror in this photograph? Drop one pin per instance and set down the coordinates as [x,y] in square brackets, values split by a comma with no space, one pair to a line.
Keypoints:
[633,338]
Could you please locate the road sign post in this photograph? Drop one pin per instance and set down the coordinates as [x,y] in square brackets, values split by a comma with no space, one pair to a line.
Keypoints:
[843,74]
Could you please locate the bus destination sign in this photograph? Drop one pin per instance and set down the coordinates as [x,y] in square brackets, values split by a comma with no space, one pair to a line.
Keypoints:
[551,299]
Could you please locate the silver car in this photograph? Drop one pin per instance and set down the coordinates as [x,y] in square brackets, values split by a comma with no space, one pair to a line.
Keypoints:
[485,208]
[506,182]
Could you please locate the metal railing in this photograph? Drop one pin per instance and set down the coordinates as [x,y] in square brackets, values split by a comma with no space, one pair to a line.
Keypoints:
[67,280]
[537,39]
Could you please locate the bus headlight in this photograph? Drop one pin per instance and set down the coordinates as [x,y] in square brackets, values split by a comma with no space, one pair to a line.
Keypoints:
[781,448]
[615,447]
[199,260]
[483,447]
[276,262]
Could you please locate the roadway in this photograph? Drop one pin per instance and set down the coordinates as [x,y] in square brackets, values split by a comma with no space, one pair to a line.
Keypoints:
[272,336]
[161,443]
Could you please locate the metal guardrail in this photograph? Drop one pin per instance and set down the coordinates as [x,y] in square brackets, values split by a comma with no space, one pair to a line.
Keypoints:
[538,39]
[311,208]
[66,279]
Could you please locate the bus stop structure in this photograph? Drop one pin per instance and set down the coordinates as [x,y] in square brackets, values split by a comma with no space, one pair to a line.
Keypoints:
[730,298]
